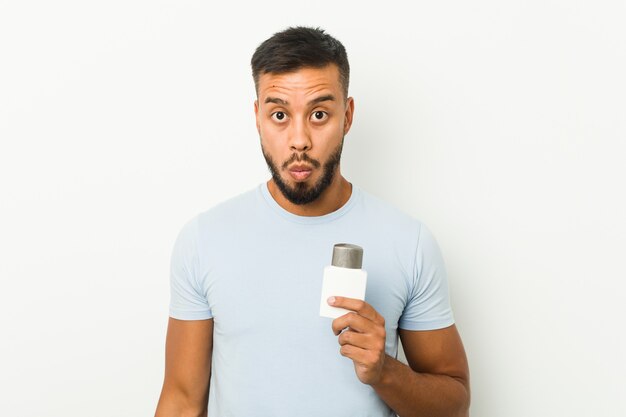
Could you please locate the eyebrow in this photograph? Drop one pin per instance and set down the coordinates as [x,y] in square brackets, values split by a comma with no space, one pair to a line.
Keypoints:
[276,100]
[327,97]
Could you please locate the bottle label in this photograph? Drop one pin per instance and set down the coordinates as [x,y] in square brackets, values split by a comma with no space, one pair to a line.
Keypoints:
[343,282]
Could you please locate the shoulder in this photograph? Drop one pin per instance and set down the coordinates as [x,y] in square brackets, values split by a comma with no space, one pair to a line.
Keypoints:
[387,214]
[220,217]
[407,233]
[235,208]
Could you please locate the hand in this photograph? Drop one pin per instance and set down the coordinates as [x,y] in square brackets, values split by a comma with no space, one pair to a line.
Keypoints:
[364,341]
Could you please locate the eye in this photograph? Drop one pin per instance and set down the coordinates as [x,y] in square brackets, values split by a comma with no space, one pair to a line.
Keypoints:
[319,115]
[279,116]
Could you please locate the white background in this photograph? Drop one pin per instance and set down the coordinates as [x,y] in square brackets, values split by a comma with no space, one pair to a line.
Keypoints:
[499,124]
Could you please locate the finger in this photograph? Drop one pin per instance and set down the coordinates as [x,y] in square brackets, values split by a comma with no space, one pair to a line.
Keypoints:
[361,340]
[357,354]
[355,322]
[359,324]
[359,306]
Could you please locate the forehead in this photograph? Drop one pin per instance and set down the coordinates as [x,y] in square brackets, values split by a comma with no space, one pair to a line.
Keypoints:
[304,81]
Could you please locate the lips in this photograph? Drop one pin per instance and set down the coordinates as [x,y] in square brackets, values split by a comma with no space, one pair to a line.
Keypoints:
[300,172]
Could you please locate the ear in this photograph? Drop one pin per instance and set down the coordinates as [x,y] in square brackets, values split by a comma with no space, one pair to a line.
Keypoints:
[349,114]
[256,115]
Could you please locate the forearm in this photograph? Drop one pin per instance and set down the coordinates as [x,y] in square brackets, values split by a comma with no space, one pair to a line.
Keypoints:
[175,404]
[412,394]
[172,410]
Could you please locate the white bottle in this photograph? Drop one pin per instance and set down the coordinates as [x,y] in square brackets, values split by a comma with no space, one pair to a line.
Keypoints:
[344,278]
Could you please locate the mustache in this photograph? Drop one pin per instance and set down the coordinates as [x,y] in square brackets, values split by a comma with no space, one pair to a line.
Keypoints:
[301,158]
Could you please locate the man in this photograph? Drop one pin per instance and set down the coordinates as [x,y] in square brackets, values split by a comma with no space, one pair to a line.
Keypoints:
[245,334]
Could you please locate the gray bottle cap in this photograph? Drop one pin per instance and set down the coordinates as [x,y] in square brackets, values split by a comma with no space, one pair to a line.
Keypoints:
[346,255]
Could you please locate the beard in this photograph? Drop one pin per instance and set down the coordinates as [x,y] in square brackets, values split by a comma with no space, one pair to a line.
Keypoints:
[302,193]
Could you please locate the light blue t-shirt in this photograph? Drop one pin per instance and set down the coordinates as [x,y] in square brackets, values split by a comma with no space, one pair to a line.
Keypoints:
[256,269]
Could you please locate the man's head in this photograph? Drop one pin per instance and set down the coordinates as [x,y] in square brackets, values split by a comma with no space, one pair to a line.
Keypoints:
[300,47]
[302,109]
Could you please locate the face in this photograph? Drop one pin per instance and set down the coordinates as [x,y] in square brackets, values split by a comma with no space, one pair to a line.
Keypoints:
[302,118]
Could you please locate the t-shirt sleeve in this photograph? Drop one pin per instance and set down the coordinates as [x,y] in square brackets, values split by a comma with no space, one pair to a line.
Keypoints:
[187,301]
[428,306]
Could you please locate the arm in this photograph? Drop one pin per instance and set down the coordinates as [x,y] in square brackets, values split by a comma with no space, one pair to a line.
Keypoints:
[188,351]
[437,381]
[435,384]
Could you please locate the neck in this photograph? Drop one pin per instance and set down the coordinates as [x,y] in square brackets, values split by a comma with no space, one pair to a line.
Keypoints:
[332,199]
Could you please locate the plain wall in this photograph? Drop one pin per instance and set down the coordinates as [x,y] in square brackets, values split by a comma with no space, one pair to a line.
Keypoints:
[500,125]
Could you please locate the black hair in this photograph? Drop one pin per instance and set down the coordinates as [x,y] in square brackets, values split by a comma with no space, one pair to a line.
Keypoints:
[300,47]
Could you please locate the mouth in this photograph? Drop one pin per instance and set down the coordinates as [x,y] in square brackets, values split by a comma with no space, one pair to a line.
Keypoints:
[300,172]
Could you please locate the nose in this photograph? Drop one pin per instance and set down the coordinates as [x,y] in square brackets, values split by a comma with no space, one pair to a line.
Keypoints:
[299,137]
